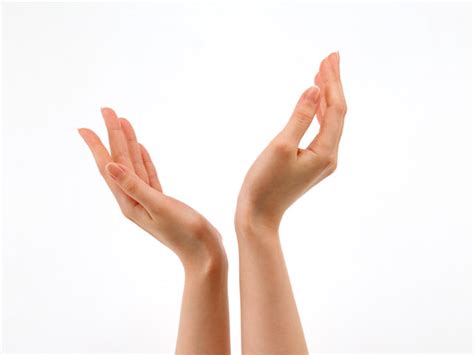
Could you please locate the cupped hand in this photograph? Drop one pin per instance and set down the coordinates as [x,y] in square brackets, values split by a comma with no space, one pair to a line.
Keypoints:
[131,176]
[283,171]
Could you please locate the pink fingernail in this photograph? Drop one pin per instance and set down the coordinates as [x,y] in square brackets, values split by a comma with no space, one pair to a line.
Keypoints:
[313,93]
[115,170]
[333,59]
[110,118]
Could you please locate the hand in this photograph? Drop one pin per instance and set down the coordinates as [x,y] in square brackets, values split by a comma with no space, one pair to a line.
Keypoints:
[283,171]
[132,178]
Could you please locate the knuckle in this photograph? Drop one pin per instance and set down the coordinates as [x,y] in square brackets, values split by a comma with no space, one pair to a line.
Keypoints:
[301,116]
[324,158]
[329,161]
[282,147]
[332,167]
[340,107]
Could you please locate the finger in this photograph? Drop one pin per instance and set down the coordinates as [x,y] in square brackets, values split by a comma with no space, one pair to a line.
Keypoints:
[150,168]
[303,115]
[332,120]
[331,79]
[134,149]
[117,141]
[322,102]
[135,187]
[102,158]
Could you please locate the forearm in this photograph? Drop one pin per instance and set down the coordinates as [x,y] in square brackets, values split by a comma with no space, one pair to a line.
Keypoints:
[204,321]
[270,320]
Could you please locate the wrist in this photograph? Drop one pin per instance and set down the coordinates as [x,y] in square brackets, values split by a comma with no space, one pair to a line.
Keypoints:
[250,225]
[207,264]
[255,217]
[248,229]
[256,236]
[259,241]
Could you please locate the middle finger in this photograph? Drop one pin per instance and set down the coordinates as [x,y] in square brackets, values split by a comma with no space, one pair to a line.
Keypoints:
[117,141]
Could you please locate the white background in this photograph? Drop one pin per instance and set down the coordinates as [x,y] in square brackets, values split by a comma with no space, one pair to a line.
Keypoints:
[379,254]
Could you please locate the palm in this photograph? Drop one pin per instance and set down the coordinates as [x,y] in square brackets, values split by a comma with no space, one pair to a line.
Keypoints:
[141,197]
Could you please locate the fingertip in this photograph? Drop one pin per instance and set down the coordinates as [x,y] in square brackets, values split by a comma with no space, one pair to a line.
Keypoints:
[325,72]
[124,123]
[82,133]
[127,129]
[328,70]
[312,93]
[107,110]
[124,120]
[86,133]
[110,118]
[333,59]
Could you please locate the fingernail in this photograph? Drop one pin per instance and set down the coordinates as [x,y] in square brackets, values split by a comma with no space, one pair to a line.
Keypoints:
[115,170]
[317,90]
[313,93]
[110,118]
[333,59]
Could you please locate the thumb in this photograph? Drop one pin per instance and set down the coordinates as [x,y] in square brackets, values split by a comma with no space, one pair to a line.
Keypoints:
[132,185]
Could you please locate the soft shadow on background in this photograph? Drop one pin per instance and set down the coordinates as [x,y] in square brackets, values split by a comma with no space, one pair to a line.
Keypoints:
[379,254]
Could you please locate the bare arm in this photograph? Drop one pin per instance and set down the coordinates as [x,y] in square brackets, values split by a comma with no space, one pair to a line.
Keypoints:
[280,175]
[204,323]
[131,176]
[270,321]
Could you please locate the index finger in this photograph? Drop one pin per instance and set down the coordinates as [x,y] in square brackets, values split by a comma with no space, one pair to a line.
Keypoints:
[102,158]
[302,115]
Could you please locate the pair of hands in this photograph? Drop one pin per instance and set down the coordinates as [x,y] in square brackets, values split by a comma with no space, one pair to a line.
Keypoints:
[280,175]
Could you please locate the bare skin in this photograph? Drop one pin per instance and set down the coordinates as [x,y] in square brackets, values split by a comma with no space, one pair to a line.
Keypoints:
[281,174]
[131,176]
